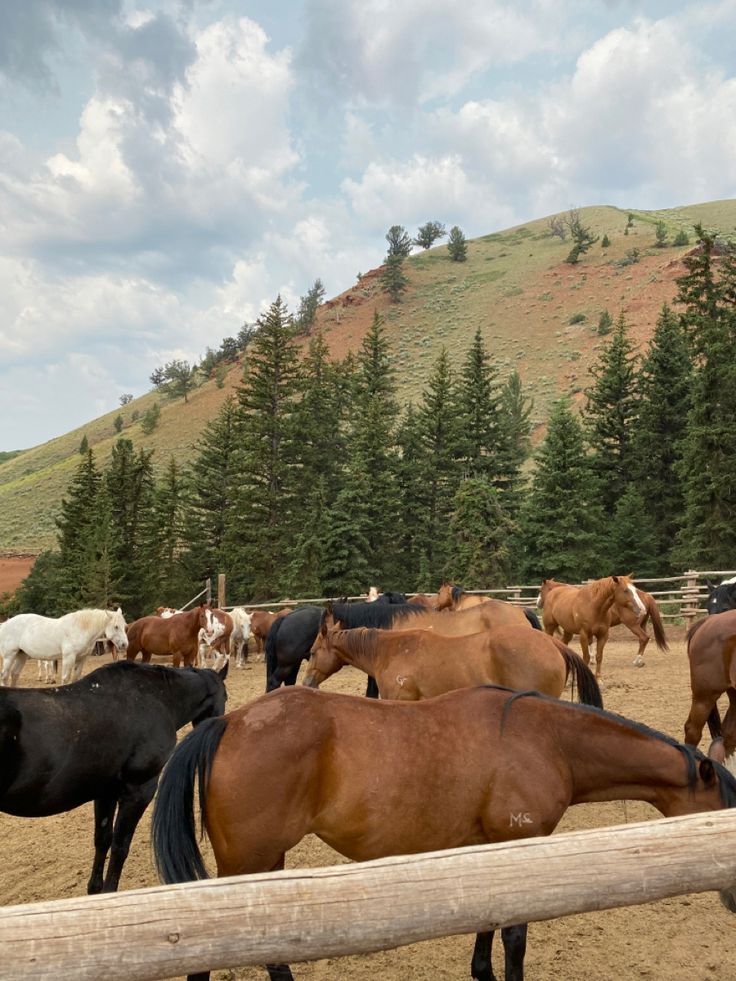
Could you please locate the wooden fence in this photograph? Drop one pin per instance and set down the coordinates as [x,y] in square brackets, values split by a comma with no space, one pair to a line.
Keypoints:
[307,914]
[680,597]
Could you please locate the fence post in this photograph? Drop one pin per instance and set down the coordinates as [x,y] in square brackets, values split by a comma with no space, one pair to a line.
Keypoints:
[208,587]
[221,589]
[689,605]
[515,595]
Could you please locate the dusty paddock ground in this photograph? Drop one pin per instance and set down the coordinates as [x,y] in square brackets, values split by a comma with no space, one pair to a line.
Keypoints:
[685,939]
[13,570]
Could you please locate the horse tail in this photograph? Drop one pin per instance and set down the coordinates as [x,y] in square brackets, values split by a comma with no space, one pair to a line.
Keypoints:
[271,654]
[693,630]
[589,692]
[714,723]
[173,833]
[532,618]
[657,625]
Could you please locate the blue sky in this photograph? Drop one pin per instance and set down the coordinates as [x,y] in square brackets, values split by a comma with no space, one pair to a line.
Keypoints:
[167,168]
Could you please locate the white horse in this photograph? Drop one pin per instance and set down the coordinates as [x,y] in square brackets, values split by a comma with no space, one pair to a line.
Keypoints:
[70,638]
[240,635]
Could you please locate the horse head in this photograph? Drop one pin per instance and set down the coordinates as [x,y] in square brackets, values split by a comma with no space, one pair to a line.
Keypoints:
[115,629]
[721,598]
[323,661]
[215,696]
[626,594]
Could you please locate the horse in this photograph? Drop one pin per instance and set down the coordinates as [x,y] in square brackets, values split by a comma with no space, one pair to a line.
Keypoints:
[70,638]
[721,597]
[104,738]
[239,637]
[584,610]
[290,641]
[427,600]
[260,624]
[711,650]
[468,767]
[215,635]
[177,635]
[413,664]
[450,597]
[636,620]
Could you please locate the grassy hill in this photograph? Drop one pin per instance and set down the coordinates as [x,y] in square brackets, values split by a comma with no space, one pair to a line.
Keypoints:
[537,313]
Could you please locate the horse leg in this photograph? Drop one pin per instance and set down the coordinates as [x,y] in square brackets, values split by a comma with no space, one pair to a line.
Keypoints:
[67,668]
[600,643]
[700,709]
[8,662]
[131,806]
[729,728]
[643,637]
[104,814]
[585,646]
[514,945]
[480,967]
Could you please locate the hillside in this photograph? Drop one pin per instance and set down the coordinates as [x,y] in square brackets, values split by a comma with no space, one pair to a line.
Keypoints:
[515,286]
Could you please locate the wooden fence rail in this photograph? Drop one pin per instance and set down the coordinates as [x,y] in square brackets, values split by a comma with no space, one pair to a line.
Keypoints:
[308,914]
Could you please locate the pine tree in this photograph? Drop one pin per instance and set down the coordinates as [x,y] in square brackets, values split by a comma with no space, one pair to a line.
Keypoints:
[428,234]
[664,382]
[481,443]
[308,306]
[171,582]
[561,522]
[392,278]
[76,528]
[262,517]
[515,428]
[399,242]
[457,245]
[410,478]
[611,413]
[481,534]
[632,539]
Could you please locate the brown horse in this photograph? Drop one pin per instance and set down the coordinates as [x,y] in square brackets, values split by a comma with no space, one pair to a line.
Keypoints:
[636,620]
[260,624]
[413,664]
[428,600]
[375,778]
[451,597]
[482,616]
[176,635]
[584,610]
[711,649]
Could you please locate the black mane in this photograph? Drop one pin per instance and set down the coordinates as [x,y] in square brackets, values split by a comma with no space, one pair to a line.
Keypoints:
[379,615]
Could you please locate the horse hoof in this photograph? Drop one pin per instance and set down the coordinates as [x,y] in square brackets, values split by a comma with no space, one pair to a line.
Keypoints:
[639,662]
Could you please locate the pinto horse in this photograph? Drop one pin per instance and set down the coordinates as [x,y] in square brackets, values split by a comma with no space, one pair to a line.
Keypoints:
[585,610]
[721,597]
[711,650]
[441,773]
[177,635]
[413,664]
[70,638]
[104,738]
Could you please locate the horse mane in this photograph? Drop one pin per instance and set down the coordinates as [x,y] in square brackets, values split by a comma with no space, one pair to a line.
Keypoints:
[457,592]
[360,641]
[601,587]
[693,756]
[88,617]
[380,615]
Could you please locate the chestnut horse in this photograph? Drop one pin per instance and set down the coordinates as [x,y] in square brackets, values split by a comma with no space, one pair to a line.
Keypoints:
[177,635]
[584,610]
[413,664]
[375,778]
[636,621]
[450,597]
[260,624]
[711,649]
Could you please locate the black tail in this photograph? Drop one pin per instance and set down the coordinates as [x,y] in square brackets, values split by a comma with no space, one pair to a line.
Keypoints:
[173,833]
[588,691]
[272,660]
[714,723]
[532,618]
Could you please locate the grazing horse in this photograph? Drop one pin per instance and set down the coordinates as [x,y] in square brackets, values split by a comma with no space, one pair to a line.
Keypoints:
[584,610]
[711,650]
[636,620]
[70,638]
[177,635]
[413,664]
[104,738]
[721,597]
[441,773]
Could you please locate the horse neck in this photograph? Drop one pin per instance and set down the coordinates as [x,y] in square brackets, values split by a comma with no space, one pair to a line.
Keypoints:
[189,693]
[602,592]
[89,621]
[618,762]
[358,647]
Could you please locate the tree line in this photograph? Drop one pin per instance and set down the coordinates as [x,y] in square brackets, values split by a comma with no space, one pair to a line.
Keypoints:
[313,480]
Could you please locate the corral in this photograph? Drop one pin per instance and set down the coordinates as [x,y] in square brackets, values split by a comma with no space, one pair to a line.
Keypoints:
[680,938]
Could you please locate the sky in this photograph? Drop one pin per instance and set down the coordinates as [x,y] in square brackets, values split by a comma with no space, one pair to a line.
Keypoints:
[168,168]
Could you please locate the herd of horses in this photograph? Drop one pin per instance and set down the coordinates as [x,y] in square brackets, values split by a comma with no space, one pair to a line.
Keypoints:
[464,738]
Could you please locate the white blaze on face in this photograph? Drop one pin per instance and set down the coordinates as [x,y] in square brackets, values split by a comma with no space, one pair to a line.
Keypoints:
[637,599]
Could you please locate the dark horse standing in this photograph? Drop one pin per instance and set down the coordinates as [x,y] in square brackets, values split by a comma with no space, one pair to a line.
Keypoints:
[104,738]
[290,640]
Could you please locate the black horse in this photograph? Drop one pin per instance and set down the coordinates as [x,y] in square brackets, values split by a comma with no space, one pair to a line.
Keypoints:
[103,738]
[721,598]
[290,639]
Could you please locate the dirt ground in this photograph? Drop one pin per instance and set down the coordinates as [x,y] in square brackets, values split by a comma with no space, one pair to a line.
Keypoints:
[13,570]
[685,939]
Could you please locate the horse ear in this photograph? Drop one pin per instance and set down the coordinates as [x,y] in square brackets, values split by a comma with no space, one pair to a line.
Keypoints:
[615,579]
[223,670]
[707,771]
[630,575]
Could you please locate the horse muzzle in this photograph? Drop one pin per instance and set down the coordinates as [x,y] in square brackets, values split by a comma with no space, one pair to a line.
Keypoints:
[310,681]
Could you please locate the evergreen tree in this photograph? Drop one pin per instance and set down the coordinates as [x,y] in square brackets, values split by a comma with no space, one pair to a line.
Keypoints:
[171,582]
[349,557]
[481,442]
[481,533]
[561,522]
[308,306]
[708,534]
[429,233]
[262,518]
[77,533]
[392,278]
[664,383]
[84,446]
[611,414]
[633,542]
[410,477]
[457,246]
[38,593]
[515,427]
[399,242]
[581,235]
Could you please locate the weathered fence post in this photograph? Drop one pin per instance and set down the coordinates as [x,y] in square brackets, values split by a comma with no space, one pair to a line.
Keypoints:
[221,590]
[208,590]
[689,606]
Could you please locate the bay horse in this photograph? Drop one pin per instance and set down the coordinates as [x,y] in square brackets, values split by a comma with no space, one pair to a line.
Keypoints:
[584,610]
[70,638]
[469,767]
[177,635]
[104,738]
[711,650]
[413,664]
